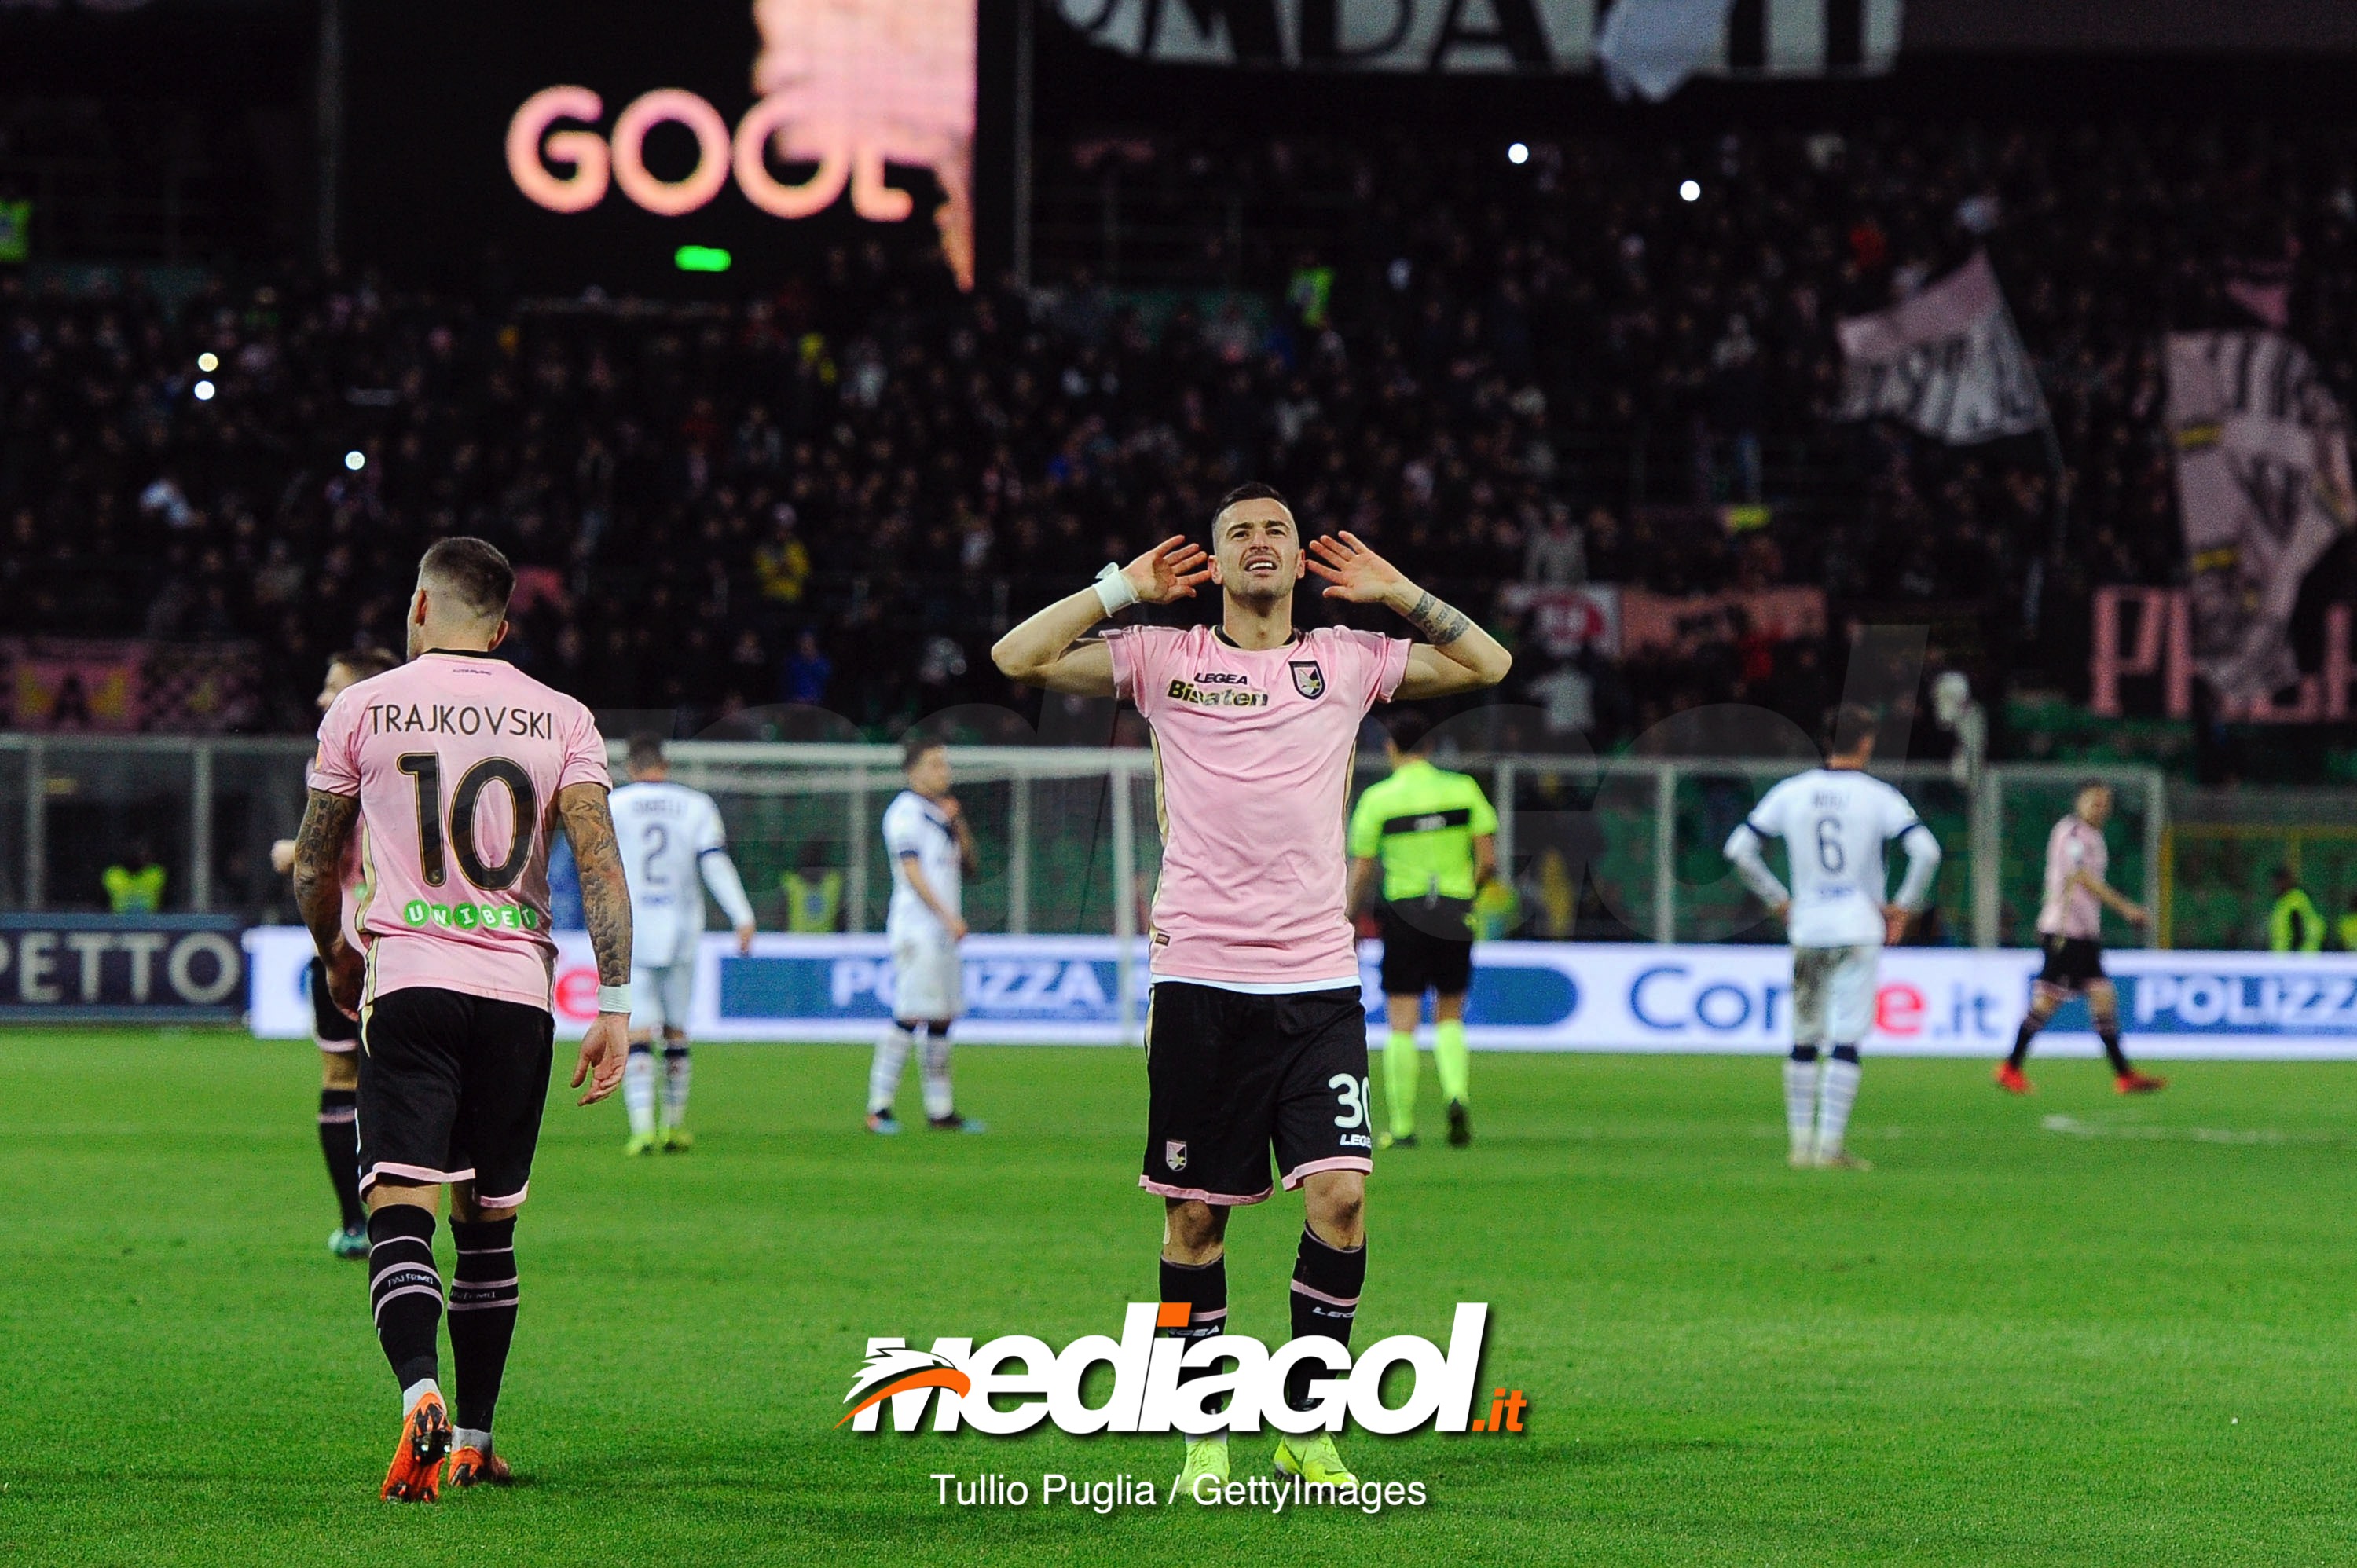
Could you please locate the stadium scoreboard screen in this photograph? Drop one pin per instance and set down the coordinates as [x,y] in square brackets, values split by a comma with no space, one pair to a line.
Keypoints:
[654,147]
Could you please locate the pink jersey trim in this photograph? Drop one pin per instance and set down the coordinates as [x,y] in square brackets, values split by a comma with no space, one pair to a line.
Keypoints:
[1301,1172]
[339,1118]
[336,1048]
[516,1201]
[1197,1195]
[1320,1295]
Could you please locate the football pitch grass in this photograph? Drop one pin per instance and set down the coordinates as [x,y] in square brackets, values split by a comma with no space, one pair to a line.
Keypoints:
[2125,1337]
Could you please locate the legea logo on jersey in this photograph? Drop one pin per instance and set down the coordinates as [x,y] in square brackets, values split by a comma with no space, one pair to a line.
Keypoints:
[959,1380]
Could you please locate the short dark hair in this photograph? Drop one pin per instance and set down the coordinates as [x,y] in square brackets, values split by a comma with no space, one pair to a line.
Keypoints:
[1252,490]
[2087,784]
[1407,728]
[475,570]
[646,749]
[915,744]
[1850,727]
[364,661]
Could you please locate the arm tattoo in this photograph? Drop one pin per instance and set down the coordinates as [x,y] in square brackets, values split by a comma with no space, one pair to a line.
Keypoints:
[1438,621]
[605,895]
[327,827]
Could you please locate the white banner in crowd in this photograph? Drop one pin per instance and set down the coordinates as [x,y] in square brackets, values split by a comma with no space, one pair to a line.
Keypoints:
[1530,996]
[1651,45]
[2263,489]
[1947,362]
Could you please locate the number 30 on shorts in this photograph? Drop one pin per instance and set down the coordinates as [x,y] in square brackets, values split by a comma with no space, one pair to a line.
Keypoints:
[1352,1092]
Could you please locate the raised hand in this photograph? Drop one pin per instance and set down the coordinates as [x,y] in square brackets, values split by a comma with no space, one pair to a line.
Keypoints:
[1170,571]
[1353,571]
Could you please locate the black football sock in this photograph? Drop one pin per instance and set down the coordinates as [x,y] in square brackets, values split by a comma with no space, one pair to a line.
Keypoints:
[404,1291]
[482,1317]
[1327,1280]
[1204,1288]
[2021,1039]
[340,1142]
[2110,1034]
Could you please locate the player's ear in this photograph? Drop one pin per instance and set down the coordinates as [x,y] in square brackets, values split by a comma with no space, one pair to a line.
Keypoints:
[417,606]
[498,635]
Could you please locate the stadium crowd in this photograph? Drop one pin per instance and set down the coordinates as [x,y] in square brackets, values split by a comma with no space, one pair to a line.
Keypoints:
[1558,371]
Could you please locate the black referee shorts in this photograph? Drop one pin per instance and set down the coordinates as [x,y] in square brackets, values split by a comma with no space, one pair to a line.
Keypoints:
[328,1025]
[2072,963]
[1426,947]
[451,1090]
[1231,1076]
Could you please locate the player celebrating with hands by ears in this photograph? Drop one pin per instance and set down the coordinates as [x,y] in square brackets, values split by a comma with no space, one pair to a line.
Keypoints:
[1255,1036]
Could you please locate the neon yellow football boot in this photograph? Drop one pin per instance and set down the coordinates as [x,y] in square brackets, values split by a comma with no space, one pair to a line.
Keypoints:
[1312,1458]
[1205,1457]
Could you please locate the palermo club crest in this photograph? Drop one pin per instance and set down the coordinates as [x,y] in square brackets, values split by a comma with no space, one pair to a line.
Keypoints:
[1307,679]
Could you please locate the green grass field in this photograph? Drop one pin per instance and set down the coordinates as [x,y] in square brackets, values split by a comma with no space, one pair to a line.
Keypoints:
[2127,1342]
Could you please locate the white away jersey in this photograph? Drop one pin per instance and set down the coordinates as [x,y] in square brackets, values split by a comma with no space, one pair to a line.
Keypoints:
[666,832]
[1834,822]
[915,826]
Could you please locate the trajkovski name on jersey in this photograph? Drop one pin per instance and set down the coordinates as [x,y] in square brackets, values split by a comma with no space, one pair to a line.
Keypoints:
[1835,822]
[914,825]
[672,839]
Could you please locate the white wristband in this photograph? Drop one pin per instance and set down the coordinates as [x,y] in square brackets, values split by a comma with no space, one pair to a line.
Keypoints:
[1114,590]
[613,999]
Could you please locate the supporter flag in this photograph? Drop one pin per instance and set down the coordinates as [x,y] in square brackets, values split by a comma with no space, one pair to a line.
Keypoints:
[1947,362]
[2263,491]
[1652,46]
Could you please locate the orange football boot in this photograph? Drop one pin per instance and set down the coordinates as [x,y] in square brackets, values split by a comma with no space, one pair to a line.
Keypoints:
[2009,1079]
[2134,1082]
[471,1467]
[415,1476]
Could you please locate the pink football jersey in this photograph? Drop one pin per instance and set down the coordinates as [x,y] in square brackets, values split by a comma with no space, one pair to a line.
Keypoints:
[2070,911]
[457,759]
[1253,754]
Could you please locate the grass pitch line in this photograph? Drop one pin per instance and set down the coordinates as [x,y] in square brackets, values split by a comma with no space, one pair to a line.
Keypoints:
[2071,1126]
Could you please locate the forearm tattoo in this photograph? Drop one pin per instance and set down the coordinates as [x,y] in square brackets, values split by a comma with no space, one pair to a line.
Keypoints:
[1441,624]
[327,821]
[605,895]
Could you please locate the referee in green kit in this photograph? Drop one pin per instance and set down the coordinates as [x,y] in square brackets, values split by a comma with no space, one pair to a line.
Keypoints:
[1432,836]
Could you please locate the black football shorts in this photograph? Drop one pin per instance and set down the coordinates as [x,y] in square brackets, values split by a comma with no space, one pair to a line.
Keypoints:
[2073,963]
[1232,1076]
[1424,953]
[451,1090]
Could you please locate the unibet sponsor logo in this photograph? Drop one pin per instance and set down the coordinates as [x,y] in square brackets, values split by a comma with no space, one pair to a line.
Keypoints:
[1228,697]
[471,916]
[964,1385]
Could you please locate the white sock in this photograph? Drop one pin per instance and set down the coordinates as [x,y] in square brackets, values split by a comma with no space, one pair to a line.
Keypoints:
[938,1100]
[884,1072]
[419,1391]
[1799,1103]
[468,1437]
[1834,1100]
[638,1091]
[674,1087]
